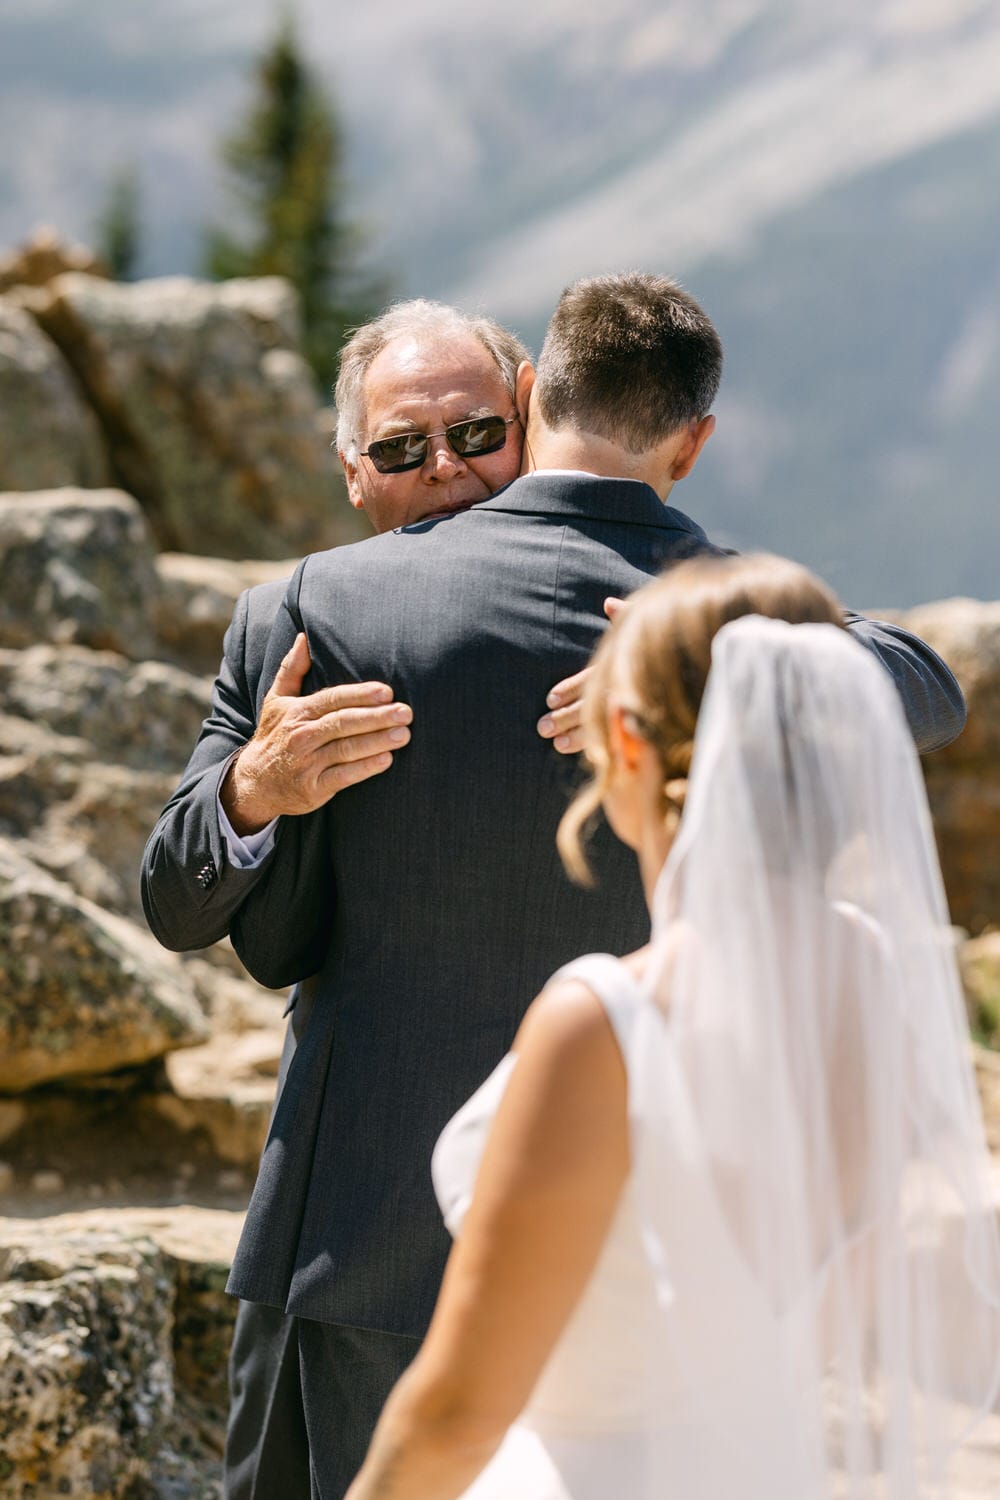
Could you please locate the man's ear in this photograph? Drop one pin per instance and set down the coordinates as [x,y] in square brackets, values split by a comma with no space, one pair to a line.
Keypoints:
[523,383]
[697,436]
[351,475]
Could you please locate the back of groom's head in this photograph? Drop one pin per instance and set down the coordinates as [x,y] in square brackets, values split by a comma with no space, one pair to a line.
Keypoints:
[630,358]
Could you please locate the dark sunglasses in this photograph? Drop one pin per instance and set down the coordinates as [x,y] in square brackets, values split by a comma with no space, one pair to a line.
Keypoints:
[469,439]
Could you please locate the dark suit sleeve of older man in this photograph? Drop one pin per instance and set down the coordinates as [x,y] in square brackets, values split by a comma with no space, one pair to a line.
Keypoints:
[284,937]
[190,888]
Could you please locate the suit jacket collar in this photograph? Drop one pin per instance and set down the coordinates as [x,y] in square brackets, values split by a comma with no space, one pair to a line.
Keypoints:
[589,497]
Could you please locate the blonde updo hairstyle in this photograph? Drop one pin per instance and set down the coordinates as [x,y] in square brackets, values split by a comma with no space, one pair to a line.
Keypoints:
[655,660]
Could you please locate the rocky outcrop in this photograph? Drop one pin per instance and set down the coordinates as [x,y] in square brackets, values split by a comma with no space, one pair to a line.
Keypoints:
[114,1329]
[127,1075]
[145,715]
[42,258]
[76,567]
[84,821]
[85,1363]
[48,436]
[81,990]
[196,600]
[208,410]
[963,780]
[190,1128]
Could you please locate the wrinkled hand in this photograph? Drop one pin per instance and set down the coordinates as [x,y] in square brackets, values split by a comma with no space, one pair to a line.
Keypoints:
[562,726]
[307,749]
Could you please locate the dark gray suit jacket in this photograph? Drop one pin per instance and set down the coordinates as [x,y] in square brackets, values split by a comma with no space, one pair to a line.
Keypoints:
[431,899]
[189,888]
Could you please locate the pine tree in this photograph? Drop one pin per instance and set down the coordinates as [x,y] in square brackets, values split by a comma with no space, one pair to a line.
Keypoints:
[285,166]
[118,234]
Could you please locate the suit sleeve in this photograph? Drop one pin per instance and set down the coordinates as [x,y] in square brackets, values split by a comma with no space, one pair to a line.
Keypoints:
[932,699]
[189,888]
[281,930]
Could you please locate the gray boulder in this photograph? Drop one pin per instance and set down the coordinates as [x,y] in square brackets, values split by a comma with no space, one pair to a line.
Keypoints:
[114,1337]
[42,257]
[48,437]
[210,410]
[963,780]
[81,990]
[91,746]
[86,1367]
[144,715]
[93,837]
[76,567]
[84,822]
[196,599]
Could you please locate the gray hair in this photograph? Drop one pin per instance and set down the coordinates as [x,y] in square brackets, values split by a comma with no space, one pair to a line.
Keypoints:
[419,316]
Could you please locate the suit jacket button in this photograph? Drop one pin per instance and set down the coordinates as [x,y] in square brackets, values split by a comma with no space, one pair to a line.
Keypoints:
[207,875]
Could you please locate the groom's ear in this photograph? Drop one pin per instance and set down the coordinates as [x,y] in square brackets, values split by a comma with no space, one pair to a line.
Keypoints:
[523,383]
[687,454]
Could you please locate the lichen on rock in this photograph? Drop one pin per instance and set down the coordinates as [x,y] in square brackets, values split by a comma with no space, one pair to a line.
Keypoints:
[81,990]
[86,1363]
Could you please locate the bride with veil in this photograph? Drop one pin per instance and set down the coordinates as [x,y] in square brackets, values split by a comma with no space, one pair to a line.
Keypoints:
[723,1219]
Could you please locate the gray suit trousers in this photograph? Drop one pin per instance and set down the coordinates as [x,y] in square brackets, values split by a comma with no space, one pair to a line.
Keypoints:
[305,1399]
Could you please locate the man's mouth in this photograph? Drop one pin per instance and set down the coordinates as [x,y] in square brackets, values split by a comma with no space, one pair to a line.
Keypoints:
[450,510]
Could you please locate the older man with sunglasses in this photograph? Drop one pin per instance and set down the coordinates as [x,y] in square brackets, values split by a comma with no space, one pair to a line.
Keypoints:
[420,368]
[434,391]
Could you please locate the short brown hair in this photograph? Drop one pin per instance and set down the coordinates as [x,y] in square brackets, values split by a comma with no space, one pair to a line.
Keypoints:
[631,358]
[661,647]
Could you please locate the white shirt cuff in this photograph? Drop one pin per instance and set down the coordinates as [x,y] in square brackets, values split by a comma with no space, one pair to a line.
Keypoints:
[244,853]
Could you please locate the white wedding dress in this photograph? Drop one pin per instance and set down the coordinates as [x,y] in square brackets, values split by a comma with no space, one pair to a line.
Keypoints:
[587,1431]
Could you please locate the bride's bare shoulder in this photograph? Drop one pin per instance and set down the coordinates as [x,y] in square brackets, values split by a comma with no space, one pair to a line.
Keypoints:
[567,1019]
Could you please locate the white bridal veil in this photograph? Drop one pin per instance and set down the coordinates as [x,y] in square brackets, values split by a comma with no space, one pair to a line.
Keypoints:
[809,1151]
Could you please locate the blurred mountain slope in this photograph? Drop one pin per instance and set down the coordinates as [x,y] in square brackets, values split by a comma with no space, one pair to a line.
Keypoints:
[825,179]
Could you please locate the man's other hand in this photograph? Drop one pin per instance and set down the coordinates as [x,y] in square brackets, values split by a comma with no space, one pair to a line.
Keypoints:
[307,749]
[562,724]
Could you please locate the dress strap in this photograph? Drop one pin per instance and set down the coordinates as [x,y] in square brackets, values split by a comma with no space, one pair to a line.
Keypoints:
[613,985]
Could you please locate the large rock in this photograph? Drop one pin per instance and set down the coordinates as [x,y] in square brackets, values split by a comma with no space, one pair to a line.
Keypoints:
[196,600]
[37,768]
[115,1332]
[43,257]
[91,746]
[76,567]
[83,821]
[81,991]
[86,1369]
[145,715]
[94,837]
[209,411]
[48,437]
[963,780]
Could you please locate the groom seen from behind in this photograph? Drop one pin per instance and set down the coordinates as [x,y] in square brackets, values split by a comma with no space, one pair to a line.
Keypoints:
[430,900]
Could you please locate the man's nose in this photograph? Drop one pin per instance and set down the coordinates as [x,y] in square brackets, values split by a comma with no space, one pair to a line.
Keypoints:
[442,462]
